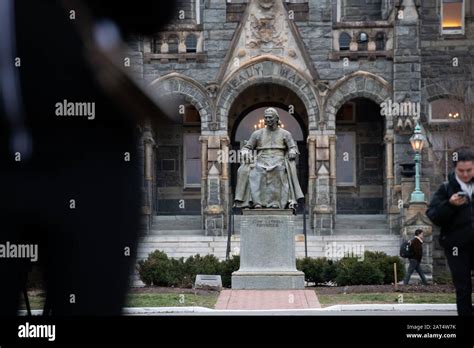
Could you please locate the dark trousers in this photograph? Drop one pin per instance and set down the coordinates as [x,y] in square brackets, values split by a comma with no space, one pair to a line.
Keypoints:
[414,266]
[87,252]
[461,266]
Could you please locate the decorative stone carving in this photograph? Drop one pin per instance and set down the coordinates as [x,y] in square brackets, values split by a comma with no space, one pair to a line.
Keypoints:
[213,126]
[322,87]
[266,4]
[405,124]
[212,89]
[266,32]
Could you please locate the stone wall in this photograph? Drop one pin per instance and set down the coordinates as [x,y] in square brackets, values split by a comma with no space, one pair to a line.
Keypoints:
[357,10]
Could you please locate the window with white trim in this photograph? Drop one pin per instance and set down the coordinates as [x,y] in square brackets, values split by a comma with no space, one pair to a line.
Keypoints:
[192,160]
[346,159]
[452,16]
[445,110]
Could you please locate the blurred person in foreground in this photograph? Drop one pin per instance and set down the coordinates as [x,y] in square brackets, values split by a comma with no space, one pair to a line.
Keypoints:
[65,183]
[452,209]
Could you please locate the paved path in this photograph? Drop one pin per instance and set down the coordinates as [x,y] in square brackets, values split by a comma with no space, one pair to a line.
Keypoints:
[267,299]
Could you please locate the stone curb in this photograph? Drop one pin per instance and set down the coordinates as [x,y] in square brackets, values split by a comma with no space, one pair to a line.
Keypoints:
[336,308]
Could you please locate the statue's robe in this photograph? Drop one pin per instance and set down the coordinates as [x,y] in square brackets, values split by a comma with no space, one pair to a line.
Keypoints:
[271,178]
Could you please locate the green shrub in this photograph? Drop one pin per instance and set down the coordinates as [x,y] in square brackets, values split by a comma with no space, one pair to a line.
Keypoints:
[312,268]
[352,271]
[227,268]
[329,271]
[198,264]
[443,278]
[160,270]
[157,269]
[385,264]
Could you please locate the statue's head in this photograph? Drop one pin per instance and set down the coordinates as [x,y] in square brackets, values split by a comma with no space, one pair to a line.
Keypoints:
[271,117]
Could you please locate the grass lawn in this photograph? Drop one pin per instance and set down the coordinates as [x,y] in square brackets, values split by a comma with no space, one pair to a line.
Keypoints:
[171,300]
[209,300]
[148,300]
[384,298]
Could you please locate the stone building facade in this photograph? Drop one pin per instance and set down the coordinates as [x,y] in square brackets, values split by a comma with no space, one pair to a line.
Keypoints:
[350,77]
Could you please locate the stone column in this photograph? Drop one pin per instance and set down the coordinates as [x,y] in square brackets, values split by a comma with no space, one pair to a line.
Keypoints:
[391,205]
[204,169]
[225,180]
[225,141]
[406,74]
[311,141]
[148,144]
[323,211]
[214,213]
[332,171]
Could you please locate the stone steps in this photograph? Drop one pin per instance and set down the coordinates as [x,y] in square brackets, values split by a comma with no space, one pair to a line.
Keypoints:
[184,246]
[165,223]
[176,225]
[362,224]
[178,232]
[361,231]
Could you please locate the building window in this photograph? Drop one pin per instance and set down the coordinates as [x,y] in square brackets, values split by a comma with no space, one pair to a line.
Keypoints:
[191,116]
[235,10]
[191,43]
[173,42]
[344,41]
[445,110]
[166,165]
[338,10]
[363,40]
[345,159]
[198,9]
[452,13]
[157,41]
[192,160]
[380,41]
[347,113]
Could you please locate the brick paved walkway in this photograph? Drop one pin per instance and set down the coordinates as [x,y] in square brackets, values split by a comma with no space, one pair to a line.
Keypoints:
[267,299]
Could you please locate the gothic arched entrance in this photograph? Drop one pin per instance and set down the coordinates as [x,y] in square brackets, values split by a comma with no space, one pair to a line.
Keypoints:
[360,162]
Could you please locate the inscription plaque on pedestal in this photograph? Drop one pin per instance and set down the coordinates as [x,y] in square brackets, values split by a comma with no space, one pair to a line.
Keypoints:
[267,251]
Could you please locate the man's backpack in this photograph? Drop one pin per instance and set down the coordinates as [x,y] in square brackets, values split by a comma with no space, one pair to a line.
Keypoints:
[406,249]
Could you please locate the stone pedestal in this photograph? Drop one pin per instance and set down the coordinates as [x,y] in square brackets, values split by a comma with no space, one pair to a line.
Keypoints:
[267,251]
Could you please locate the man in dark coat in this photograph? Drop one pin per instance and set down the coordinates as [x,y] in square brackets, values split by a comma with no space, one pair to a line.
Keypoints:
[452,209]
[415,259]
[71,184]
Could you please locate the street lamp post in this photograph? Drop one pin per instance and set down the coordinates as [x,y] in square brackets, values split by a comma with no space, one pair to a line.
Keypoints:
[417,141]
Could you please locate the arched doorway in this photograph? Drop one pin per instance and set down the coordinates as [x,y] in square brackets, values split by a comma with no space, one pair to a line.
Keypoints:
[178,160]
[178,187]
[360,159]
[246,115]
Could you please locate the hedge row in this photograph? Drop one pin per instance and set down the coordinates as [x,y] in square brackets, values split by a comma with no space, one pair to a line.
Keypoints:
[160,270]
[376,268]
